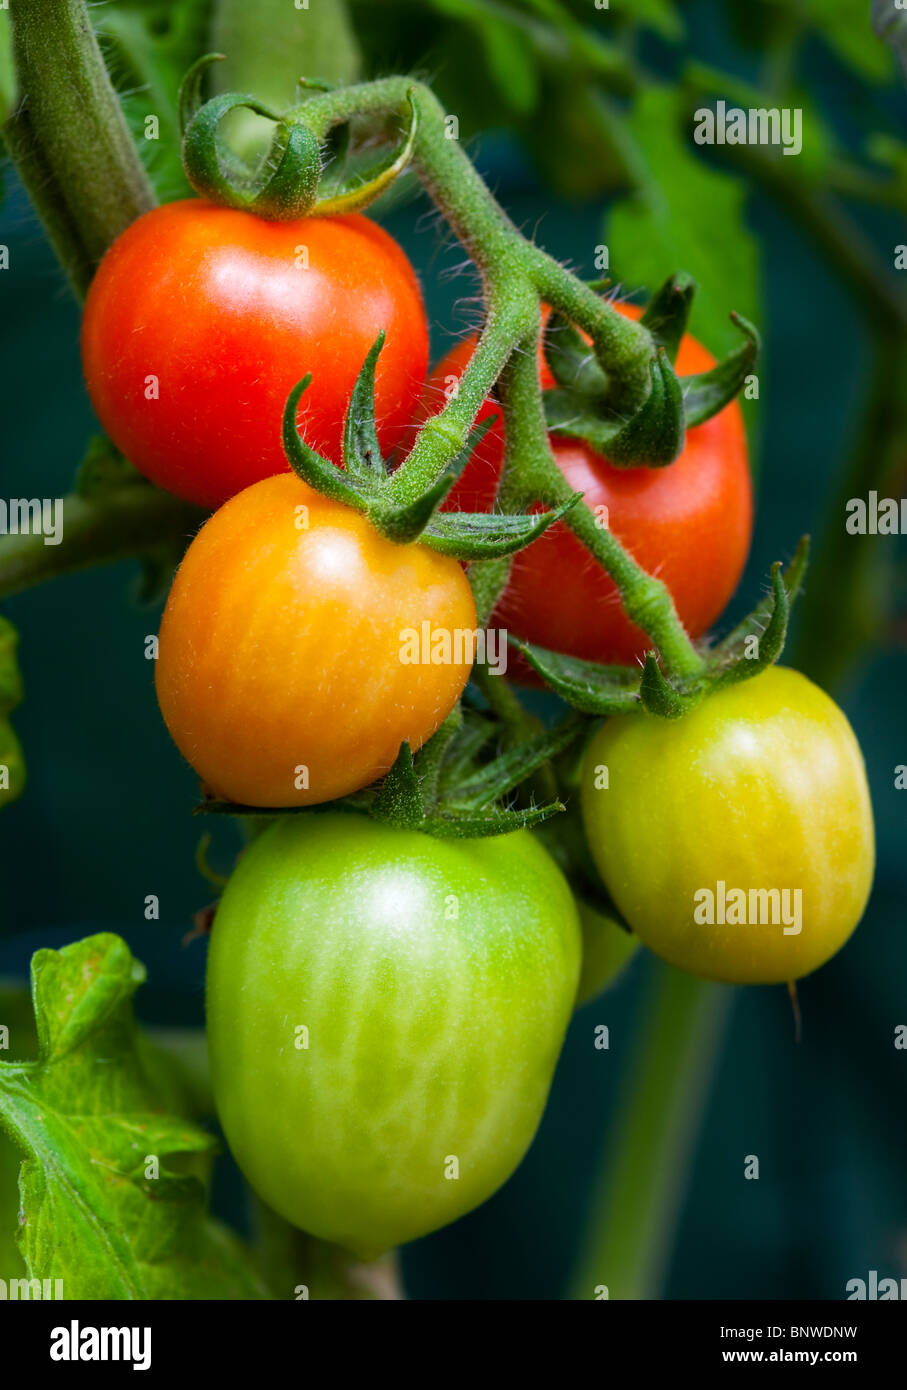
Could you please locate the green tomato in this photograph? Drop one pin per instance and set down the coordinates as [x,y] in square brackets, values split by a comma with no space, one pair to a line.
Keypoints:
[607,948]
[736,841]
[385,1011]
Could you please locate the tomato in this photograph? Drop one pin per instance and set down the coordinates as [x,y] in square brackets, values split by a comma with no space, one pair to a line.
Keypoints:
[201,319]
[690,524]
[385,1011]
[287,672]
[607,948]
[762,789]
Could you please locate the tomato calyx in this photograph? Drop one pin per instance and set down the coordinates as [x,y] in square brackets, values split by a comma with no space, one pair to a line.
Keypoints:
[296,178]
[367,482]
[653,435]
[755,644]
[449,789]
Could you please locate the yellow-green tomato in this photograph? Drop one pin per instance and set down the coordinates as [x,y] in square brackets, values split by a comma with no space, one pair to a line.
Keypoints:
[738,840]
[607,947]
[385,1011]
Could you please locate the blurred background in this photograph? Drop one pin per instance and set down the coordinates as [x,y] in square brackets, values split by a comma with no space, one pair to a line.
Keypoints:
[580,119]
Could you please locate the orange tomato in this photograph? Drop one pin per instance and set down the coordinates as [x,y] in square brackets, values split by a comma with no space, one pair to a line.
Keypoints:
[285,669]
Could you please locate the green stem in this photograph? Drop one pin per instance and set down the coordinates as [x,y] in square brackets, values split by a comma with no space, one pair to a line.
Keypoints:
[116,525]
[69,138]
[846,571]
[635,1211]
[532,475]
[515,272]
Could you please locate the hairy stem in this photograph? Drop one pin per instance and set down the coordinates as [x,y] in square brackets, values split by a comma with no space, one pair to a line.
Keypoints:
[69,138]
[116,525]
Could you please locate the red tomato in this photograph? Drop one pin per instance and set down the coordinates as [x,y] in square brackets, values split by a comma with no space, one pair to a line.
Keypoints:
[689,524]
[201,319]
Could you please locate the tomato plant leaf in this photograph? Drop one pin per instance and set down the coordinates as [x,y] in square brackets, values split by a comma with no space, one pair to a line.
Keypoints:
[112,1189]
[671,217]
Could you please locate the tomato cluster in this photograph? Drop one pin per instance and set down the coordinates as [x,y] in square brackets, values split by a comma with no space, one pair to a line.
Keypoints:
[386,1007]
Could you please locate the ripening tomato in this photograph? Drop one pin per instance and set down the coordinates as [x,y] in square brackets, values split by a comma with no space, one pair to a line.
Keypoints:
[607,949]
[385,1011]
[292,662]
[738,840]
[201,319]
[689,523]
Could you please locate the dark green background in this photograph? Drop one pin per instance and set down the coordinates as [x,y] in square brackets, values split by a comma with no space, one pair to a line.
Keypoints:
[105,821]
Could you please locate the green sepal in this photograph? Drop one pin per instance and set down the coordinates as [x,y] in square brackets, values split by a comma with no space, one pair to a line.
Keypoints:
[660,697]
[571,359]
[654,435]
[651,438]
[399,802]
[286,184]
[368,484]
[767,623]
[341,195]
[509,769]
[668,312]
[487,535]
[362,455]
[320,474]
[709,392]
[585,685]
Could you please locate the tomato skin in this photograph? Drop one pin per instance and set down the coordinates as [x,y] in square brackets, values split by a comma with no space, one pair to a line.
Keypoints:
[607,949]
[689,523]
[217,305]
[280,647]
[436,980]
[762,786]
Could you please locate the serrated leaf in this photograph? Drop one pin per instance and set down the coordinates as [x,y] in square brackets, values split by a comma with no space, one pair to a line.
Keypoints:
[672,220]
[90,1114]
[585,685]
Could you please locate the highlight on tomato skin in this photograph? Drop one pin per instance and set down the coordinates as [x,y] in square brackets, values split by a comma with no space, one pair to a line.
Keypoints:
[738,841]
[201,319]
[283,671]
[690,524]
